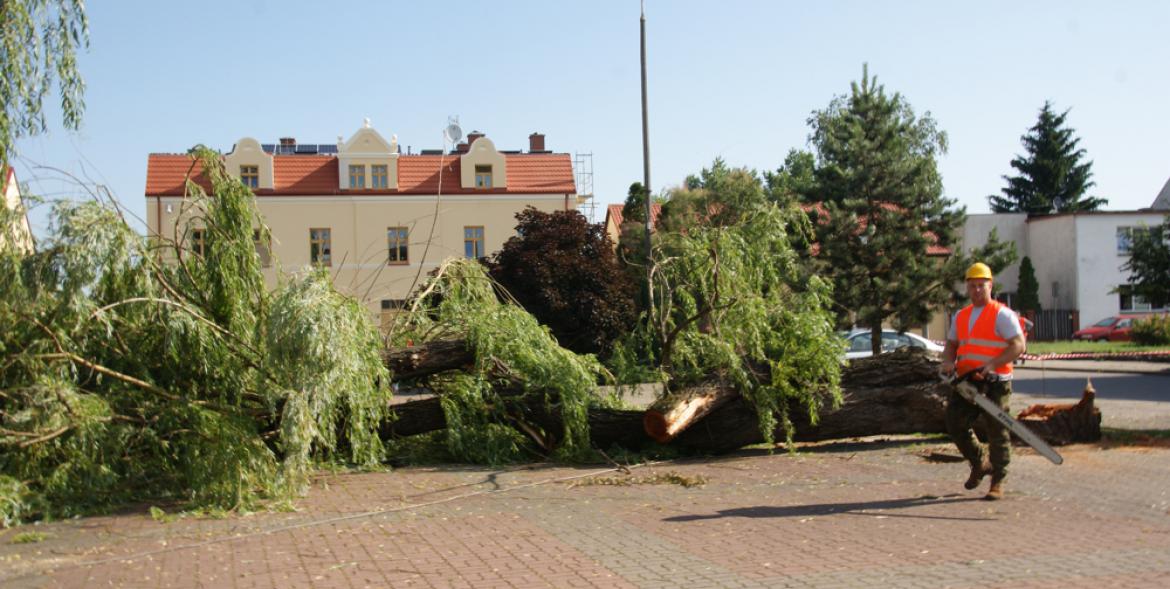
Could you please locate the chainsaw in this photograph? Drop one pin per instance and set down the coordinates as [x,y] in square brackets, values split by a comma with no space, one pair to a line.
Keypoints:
[971,391]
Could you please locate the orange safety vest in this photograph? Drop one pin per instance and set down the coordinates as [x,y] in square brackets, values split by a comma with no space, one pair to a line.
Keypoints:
[979,344]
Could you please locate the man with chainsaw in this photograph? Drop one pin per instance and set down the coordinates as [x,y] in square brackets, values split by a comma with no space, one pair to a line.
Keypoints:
[983,340]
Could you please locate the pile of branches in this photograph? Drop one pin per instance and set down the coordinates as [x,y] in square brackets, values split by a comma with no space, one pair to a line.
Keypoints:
[137,368]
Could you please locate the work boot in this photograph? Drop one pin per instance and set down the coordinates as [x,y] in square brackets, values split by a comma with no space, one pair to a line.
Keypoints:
[977,474]
[995,493]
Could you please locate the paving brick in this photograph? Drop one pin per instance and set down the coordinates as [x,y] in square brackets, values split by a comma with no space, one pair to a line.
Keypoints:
[838,516]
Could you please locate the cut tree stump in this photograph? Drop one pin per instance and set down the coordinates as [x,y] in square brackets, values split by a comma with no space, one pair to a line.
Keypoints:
[1066,423]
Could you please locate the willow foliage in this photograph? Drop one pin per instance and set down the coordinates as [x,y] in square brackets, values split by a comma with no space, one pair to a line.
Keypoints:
[733,301]
[514,356]
[136,369]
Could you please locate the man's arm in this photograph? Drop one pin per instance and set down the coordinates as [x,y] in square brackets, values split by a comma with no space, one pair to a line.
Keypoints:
[948,357]
[1007,356]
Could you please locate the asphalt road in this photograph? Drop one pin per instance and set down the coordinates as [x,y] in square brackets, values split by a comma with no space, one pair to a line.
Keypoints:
[1128,401]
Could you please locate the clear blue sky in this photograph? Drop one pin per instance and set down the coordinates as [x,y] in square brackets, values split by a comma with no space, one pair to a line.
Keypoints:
[736,79]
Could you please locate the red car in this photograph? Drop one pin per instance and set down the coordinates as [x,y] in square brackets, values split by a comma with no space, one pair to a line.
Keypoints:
[1114,329]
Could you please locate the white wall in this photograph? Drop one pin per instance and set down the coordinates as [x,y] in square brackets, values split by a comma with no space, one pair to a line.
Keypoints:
[1053,249]
[1099,264]
[1008,227]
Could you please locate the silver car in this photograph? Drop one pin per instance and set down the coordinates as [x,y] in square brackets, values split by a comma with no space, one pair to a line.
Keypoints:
[860,346]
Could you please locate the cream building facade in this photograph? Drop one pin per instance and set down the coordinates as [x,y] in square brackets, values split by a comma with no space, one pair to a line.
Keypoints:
[23,237]
[378,219]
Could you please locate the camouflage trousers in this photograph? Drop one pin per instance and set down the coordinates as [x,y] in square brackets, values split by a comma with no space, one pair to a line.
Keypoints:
[961,417]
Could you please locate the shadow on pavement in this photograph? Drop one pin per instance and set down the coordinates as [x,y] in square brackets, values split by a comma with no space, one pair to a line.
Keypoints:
[881,442]
[859,508]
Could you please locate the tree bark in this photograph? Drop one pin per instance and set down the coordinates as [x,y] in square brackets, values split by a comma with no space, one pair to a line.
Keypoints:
[913,408]
[898,393]
[427,358]
[906,398]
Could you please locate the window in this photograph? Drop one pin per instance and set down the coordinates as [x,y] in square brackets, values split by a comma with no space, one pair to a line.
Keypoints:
[1130,301]
[263,249]
[357,176]
[1125,237]
[320,247]
[473,242]
[250,176]
[378,177]
[483,176]
[393,304]
[199,242]
[396,241]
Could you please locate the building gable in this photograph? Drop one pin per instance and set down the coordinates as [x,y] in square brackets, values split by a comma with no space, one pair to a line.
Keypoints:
[248,156]
[1162,202]
[482,157]
[362,160]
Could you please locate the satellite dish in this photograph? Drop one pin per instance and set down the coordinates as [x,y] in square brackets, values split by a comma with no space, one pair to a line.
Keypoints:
[453,133]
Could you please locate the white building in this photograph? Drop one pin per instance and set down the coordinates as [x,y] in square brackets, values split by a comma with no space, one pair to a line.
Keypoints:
[1078,257]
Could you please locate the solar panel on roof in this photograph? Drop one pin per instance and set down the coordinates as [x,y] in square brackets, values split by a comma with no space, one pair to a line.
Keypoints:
[268,147]
[307,148]
[326,148]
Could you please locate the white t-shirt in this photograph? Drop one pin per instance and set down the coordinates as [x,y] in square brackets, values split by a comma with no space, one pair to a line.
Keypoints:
[1007,324]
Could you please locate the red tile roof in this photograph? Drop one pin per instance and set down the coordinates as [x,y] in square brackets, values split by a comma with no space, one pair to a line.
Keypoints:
[614,213]
[317,175]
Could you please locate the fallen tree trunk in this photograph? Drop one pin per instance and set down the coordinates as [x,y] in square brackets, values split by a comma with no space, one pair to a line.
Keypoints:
[893,394]
[677,411]
[427,358]
[917,406]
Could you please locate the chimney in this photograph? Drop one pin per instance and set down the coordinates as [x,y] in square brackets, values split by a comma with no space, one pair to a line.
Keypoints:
[288,141]
[536,143]
[472,136]
[462,148]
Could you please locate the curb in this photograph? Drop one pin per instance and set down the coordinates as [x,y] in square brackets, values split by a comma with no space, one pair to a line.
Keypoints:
[1156,356]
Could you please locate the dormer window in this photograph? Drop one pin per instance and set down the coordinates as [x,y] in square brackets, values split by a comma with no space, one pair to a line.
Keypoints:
[482,167]
[379,177]
[252,163]
[250,176]
[357,176]
[367,153]
[483,176]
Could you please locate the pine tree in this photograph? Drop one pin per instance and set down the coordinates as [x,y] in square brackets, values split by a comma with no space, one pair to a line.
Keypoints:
[881,209]
[634,208]
[1051,176]
[1028,289]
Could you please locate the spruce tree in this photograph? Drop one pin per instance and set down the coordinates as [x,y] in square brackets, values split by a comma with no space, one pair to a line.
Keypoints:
[1051,176]
[1028,289]
[881,209]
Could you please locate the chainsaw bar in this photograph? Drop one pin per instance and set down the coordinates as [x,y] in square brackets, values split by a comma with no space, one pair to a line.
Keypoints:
[972,394]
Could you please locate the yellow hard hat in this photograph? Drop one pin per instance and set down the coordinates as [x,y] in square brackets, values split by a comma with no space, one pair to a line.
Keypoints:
[978,270]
